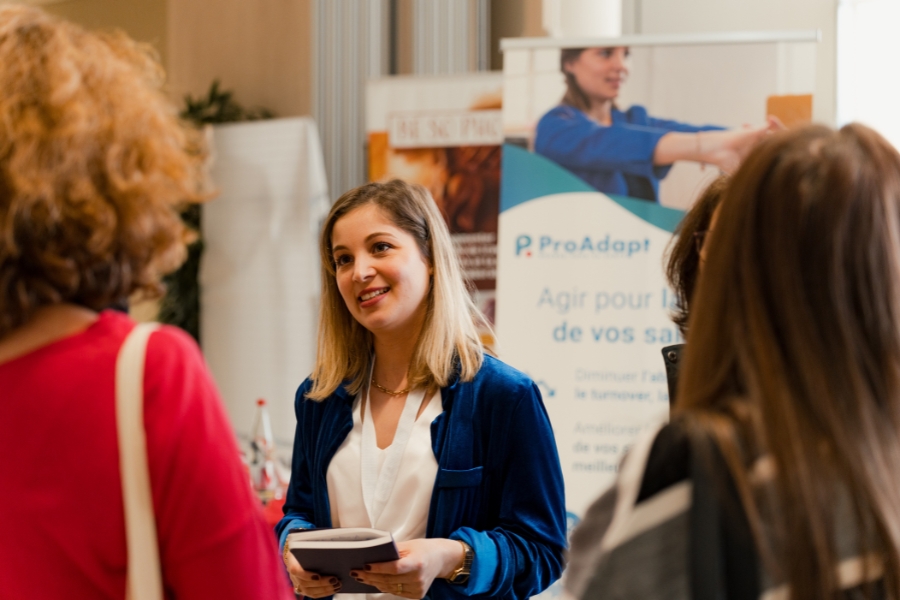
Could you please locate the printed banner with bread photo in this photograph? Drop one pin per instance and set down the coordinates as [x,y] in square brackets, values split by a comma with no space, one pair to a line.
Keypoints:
[445,133]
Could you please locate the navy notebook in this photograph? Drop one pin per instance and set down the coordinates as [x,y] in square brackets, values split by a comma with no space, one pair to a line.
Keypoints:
[336,552]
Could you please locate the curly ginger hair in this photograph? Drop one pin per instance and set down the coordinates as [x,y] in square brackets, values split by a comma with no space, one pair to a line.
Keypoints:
[94,164]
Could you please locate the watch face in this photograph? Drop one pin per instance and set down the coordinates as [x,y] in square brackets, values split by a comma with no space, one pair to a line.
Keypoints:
[460,577]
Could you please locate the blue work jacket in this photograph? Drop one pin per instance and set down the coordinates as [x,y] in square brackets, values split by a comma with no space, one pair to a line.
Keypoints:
[499,485]
[613,159]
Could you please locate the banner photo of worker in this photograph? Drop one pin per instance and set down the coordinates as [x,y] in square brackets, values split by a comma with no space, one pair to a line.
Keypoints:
[606,146]
[655,122]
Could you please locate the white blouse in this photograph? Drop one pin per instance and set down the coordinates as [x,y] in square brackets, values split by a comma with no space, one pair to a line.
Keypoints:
[406,513]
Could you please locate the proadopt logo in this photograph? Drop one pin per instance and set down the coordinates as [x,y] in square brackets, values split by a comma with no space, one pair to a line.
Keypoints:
[606,246]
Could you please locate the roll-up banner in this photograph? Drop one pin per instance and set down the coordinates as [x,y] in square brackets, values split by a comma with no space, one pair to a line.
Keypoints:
[445,133]
[582,302]
[583,309]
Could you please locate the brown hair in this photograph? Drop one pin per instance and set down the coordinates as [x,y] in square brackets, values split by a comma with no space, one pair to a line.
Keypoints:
[93,161]
[795,344]
[574,96]
[683,265]
[449,337]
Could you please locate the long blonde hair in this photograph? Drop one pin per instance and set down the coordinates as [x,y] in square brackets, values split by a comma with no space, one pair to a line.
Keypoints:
[795,346]
[449,340]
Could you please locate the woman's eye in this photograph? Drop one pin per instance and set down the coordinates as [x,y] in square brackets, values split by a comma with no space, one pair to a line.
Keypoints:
[340,261]
[381,247]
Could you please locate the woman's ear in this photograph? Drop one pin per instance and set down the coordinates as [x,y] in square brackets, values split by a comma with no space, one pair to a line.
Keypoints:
[567,65]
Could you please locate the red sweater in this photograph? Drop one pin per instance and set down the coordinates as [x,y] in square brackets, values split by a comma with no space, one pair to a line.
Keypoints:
[61,518]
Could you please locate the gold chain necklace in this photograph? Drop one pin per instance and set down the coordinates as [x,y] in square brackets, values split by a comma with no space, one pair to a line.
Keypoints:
[387,391]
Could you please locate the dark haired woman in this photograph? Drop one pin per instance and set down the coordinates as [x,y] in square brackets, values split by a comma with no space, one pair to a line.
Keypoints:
[777,476]
[626,152]
[686,254]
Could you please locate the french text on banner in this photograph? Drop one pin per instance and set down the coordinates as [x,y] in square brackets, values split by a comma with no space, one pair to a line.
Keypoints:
[443,129]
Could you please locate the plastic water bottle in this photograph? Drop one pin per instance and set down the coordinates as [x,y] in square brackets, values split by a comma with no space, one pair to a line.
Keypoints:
[263,475]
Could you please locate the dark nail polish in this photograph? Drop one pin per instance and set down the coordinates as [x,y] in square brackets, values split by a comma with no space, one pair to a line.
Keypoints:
[333,581]
[354,574]
[368,567]
[315,577]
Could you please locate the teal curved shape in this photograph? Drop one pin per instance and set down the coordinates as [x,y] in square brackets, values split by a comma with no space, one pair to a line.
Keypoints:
[527,176]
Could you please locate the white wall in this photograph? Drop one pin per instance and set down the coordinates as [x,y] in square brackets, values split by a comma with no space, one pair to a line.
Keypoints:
[866,92]
[691,16]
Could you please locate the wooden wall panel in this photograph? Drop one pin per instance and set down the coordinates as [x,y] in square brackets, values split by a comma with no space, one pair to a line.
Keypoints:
[262,50]
[144,20]
[513,18]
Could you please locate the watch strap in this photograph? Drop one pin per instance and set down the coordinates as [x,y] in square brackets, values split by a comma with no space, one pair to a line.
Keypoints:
[461,574]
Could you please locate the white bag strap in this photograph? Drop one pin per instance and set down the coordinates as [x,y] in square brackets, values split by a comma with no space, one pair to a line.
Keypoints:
[143,580]
[631,475]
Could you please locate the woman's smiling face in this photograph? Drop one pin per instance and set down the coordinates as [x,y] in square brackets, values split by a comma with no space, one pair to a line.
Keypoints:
[381,274]
[600,72]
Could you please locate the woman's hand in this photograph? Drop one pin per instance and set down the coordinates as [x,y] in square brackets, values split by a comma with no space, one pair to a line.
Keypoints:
[723,149]
[737,143]
[421,562]
[307,583]
[726,149]
[774,124]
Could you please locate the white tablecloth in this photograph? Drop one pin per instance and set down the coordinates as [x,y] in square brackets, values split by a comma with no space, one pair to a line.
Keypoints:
[259,275]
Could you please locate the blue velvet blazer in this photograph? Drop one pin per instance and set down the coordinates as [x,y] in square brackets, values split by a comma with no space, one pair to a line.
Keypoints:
[499,485]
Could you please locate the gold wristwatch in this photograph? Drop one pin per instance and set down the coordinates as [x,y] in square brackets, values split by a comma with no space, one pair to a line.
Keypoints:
[461,574]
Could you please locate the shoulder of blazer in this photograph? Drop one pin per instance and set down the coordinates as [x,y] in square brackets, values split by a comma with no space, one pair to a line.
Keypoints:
[496,385]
